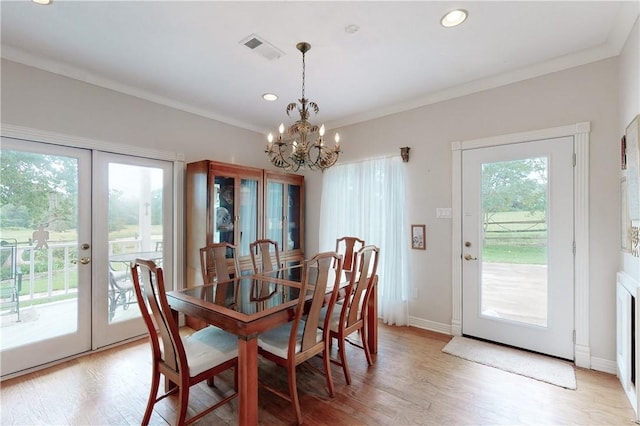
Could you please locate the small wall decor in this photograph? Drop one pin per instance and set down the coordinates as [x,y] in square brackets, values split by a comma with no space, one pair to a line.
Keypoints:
[404,153]
[635,241]
[418,237]
[623,153]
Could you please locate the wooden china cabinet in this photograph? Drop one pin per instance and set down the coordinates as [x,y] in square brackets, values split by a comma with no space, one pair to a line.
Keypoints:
[238,204]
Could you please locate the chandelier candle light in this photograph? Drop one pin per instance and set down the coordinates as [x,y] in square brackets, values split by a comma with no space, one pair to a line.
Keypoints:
[294,149]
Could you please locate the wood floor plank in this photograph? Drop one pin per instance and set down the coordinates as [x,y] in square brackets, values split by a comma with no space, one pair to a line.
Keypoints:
[411,382]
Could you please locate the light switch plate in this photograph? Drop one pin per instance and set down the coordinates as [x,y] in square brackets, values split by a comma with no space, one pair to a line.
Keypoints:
[443,213]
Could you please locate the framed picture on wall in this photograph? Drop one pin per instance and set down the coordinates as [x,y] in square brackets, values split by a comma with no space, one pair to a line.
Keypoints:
[418,237]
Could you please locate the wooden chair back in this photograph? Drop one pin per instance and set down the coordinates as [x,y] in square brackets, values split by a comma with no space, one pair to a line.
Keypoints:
[268,253]
[148,283]
[320,273]
[219,261]
[360,285]
[348,246]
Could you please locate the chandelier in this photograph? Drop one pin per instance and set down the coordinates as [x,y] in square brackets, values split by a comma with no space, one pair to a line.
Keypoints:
[301,146]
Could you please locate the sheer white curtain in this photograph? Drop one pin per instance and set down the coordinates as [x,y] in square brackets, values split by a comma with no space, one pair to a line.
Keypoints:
[367,199]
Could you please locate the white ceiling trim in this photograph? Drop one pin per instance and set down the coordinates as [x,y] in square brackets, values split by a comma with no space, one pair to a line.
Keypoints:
[537,70]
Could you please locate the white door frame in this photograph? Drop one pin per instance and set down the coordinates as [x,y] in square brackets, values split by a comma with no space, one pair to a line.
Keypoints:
[580,133]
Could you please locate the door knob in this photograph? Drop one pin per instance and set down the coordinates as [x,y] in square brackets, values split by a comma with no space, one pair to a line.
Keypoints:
[83,260]
[469,257]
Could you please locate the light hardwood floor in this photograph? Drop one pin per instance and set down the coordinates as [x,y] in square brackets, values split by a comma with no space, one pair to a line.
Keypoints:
[411,382]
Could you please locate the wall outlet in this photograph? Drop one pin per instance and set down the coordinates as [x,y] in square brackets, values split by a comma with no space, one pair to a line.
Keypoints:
[414,293]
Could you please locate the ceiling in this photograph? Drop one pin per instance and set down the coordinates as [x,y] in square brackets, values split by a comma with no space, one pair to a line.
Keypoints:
[189,55]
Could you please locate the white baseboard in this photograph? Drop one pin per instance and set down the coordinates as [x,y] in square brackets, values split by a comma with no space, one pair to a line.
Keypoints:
[604,365]
[430,325]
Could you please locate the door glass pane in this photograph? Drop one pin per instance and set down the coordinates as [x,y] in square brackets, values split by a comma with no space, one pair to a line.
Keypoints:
[135,231]
[38,248]
[293,206]
[275,194]
[223,211]
[248,215]
[514,248]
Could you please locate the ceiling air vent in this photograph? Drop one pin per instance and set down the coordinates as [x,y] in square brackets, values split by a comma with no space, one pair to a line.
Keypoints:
[262,47]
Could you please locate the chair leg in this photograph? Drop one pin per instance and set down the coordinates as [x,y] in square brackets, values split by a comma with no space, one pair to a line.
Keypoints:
[365,343]
[183,401]
[293,392]
[342,351]
[327,368]
[235,378]
[155,383]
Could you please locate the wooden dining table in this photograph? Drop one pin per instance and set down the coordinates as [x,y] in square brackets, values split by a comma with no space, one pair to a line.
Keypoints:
[247,306]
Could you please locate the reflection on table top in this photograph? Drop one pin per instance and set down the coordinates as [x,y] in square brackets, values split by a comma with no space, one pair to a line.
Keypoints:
[130,257]
[250,294]
[247,295]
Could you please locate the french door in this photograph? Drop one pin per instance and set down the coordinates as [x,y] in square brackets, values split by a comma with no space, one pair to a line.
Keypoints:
[517,236]
[71,222]
[133,213]
[46,216]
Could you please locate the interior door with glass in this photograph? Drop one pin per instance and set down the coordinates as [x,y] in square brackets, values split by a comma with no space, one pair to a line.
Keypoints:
[517,230]
[133,201]
[45,253]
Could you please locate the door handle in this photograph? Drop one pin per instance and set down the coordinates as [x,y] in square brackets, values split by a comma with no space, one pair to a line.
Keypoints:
[469,257]
[83,260]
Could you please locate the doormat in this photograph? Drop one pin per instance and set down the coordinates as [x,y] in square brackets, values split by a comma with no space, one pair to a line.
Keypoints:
[539,367]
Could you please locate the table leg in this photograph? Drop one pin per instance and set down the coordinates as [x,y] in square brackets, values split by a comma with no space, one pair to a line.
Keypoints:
[372,318]
[248,381]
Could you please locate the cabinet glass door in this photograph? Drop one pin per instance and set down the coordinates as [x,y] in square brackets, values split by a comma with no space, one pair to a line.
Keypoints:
[235,212]
[224,210]
[275,212]
[249,219]
[284,217]
[294,223]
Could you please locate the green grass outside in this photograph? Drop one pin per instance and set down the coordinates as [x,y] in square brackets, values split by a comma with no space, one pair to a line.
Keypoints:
[514,254]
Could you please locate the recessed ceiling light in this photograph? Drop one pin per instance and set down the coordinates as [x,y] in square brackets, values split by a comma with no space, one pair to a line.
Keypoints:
[43,2]
[454,17]
[269,97]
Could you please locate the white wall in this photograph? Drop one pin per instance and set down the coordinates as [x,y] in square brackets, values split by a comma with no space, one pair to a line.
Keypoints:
[586,93]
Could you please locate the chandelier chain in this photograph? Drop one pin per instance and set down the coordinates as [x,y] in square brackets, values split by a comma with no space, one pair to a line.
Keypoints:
[303,74]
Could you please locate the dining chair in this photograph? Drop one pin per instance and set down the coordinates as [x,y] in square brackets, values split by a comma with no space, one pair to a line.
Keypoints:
[350,315]
[184,361]
[347,247]
[269,255]
[219,261]
[301,339]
